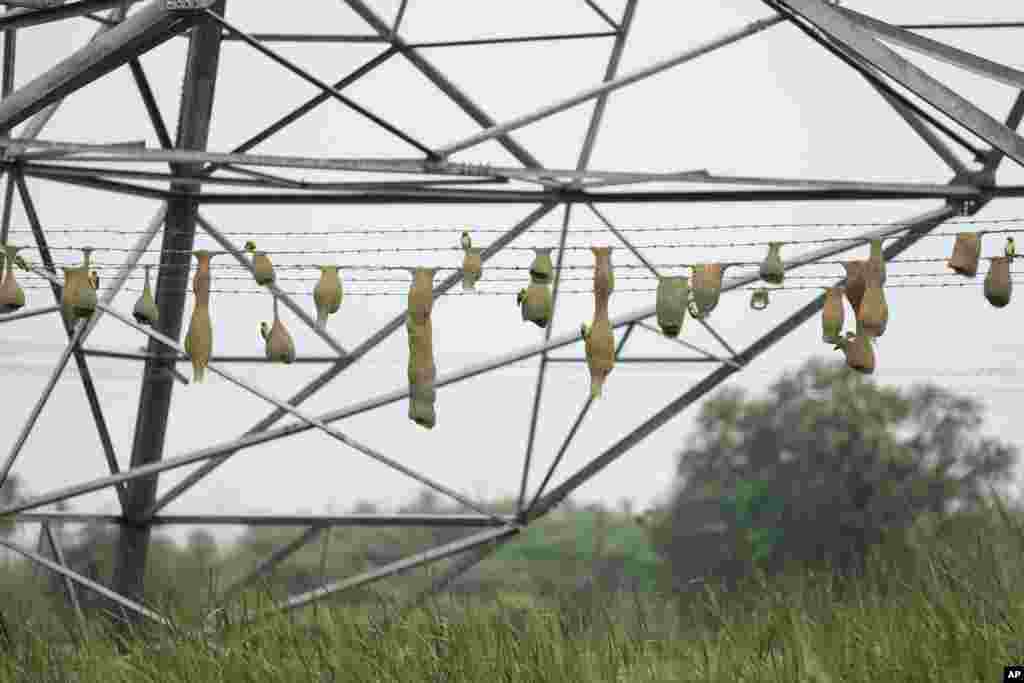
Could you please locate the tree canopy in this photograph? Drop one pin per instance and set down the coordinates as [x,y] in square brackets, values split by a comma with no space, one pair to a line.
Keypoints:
[819,469]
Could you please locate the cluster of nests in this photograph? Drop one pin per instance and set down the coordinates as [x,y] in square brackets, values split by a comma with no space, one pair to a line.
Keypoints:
[864,290]
[676,296]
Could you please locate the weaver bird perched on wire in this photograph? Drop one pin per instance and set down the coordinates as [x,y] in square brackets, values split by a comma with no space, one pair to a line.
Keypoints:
[264,331]
[1011,248]
[520,297]
[466,241]
[585,331]
[263,269]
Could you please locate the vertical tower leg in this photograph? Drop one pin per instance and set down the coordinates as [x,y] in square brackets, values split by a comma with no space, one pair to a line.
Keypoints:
[172,285]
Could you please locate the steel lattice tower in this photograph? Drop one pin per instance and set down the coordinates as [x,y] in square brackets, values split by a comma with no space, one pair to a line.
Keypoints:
[132,28]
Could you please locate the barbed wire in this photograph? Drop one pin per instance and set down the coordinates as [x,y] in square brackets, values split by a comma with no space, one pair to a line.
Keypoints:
[417,250]
[564,278]
[221,267]
[479,292]
[477,230]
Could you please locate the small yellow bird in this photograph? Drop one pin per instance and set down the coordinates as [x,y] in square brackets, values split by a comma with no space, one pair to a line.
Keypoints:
[585,331]
[264,331]
[467,243]
[263,269]
[520,297]
[1011,248]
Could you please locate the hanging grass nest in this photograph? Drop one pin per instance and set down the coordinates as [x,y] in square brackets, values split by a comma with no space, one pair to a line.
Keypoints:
[673,298]
[833,315]
[202,279]
[876,262]
[327,294]
[145,311]
[422,373]
[759,299]
[12,296]
[860,354]
[263,269]
[599,343]
[542,271]
[856,282]
[772,271]
[79,296]
[707,288]
[472,268]
[421,293]
[966,254]
[199,338]
[998,285]
[604,275]
[873,314]
[535,303]
[279,345]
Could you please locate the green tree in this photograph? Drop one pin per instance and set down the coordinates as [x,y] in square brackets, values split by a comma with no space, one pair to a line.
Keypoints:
[821,468]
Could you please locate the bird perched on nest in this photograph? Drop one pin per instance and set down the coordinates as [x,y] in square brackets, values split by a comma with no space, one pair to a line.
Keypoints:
[1011,248]
[520,297]
[466,241]
[263,269]
[264,330]
[585,331]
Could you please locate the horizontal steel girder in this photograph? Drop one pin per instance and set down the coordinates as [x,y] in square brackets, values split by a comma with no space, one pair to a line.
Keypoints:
[456,196]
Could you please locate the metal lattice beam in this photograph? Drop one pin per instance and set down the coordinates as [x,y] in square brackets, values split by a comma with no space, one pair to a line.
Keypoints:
[856,39]
[158,378]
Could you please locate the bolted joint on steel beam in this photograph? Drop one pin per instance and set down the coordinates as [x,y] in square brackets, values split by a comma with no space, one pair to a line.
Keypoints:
[969,207]
[984,178]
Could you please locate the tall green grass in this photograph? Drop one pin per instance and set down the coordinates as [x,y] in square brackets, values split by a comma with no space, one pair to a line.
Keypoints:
[945,605]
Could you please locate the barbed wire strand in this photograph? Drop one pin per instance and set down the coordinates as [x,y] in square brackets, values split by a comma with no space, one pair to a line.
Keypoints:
[419,250]
[214,267]
[564,278]
[479,292]
[478,230]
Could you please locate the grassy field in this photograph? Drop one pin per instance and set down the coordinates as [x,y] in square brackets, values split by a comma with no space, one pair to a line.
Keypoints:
[946,607]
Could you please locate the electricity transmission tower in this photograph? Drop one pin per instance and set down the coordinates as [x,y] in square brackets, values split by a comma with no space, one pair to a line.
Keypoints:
[198,177]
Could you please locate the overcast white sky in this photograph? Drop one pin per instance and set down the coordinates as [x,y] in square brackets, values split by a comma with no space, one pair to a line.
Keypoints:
[775,104]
